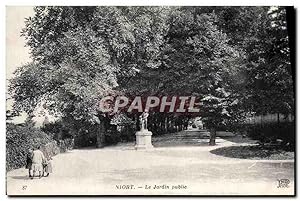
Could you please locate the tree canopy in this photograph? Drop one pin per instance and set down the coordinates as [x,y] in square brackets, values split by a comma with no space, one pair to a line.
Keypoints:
[235,59]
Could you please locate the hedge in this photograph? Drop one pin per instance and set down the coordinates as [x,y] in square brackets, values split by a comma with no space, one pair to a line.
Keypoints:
[21,138]
[269,132]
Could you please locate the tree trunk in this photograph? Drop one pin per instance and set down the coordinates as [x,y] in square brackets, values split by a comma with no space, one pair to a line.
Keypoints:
[137,122]
[101,135]
[166,125]
[212,138]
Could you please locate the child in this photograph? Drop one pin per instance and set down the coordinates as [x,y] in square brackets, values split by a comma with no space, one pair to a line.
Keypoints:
[47,166]
[29,163]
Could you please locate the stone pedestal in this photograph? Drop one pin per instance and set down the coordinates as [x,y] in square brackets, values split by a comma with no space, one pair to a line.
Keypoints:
[143,139]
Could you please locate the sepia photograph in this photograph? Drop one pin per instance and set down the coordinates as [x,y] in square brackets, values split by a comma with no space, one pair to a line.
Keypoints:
[150,100]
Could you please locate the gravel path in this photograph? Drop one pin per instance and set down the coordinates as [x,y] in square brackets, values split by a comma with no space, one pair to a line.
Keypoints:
[164,170]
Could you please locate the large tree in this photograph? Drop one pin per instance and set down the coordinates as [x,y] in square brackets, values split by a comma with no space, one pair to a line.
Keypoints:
[269,81]
[79,56]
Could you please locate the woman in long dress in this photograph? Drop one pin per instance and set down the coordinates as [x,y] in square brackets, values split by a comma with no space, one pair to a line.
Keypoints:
[37,162]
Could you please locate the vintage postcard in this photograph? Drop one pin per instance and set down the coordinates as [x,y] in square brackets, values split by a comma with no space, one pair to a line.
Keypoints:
[150,100]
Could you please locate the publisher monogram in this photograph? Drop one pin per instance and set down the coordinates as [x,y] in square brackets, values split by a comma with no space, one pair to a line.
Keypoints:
[283,183]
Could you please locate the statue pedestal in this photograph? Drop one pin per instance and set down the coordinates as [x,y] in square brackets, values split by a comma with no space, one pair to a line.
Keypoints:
[143,139]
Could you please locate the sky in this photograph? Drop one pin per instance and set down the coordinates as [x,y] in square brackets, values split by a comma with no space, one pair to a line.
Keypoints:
[16,52]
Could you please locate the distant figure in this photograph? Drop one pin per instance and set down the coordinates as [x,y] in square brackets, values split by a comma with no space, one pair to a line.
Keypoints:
[200,125]
[29,162]
[37,161]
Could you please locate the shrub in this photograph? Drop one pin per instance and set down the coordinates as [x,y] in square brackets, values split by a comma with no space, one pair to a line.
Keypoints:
[269,132]
[66,144]
[112,136]
[127,133]
[21,138]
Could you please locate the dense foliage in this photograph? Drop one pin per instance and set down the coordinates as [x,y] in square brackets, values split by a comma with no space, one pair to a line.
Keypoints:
[236,60]
[19,139]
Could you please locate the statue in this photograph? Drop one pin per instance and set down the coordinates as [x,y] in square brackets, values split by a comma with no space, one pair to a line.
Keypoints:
[143,137]
[144,120]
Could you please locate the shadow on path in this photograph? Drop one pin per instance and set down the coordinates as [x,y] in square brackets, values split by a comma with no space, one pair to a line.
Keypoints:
[183,138]
[239,139]
[20,177]
[253,152]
